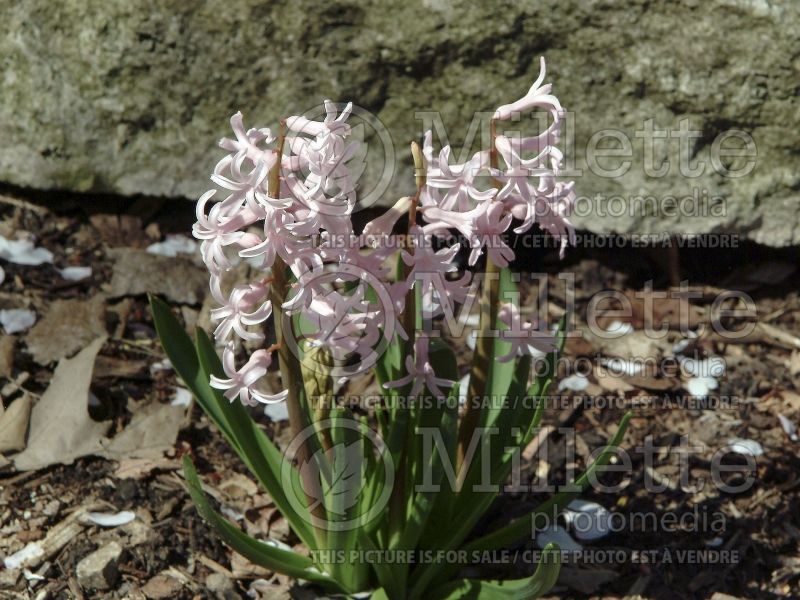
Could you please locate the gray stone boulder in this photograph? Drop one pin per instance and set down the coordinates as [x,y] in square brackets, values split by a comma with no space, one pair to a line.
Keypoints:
[130,96]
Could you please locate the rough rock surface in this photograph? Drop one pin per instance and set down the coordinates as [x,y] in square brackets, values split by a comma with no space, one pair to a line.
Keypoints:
[129,96]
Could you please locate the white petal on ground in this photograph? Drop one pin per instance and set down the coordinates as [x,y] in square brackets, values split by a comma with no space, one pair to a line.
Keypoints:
[21,557]
[162,365]
[110,519]
[15,320]
[75,273]
[231,513]
[31,576]
[701,386]
[588,520]
[277,411]
[278,544]
[173,245]
[182,397]
[558,535]
[684,343]
[742,446]
[619,328]
[23,252]
[574,383]
[789,427]
[620,366]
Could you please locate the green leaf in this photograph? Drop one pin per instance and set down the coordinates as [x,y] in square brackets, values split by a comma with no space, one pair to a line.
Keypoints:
[517,529]
[263,554]
[194,365]
[379,594]
[385,571]
[256,450]
[181,352]
[519,589]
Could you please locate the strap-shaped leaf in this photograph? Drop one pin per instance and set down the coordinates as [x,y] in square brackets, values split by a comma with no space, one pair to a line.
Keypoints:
[343,488]
[517,529]
[181,352]
[256,450]
[518,589]
[384,571]
[194,365]
[263,554]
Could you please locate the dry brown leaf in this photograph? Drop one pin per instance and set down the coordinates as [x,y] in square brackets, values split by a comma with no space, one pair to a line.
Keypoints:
[136,273]
[7,343]
[14,424]
[135,468]
[67,326]
[151,432]
[61,429]
[120,230]
[794,363]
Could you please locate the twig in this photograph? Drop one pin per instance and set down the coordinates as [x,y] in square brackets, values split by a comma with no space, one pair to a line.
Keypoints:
[24,204]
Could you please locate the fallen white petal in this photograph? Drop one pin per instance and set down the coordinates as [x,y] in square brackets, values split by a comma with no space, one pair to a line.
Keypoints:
[701,386]
[31,576]
[182,397]
[15,320]
[558,535]
[619,328]
[684,343]
[277,544]
[162,365]
[75,273]
[277,411]
[23,252]
[574,383]
[619,366]
[789,427]
[588,520]
[173,245]
[111,519]
[32,551]
[232,514]
[741,446]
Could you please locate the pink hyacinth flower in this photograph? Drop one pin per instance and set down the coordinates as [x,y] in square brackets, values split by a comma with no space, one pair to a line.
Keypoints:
[240,383]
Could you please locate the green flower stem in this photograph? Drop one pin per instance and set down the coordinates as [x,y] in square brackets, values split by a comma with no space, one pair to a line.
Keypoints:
[291,371]
[397,502]
[484,346]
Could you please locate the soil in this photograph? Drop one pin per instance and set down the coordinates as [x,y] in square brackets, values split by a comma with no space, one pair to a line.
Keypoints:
[750,538]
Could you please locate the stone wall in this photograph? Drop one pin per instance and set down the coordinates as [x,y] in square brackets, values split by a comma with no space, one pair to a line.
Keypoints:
[129,96]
